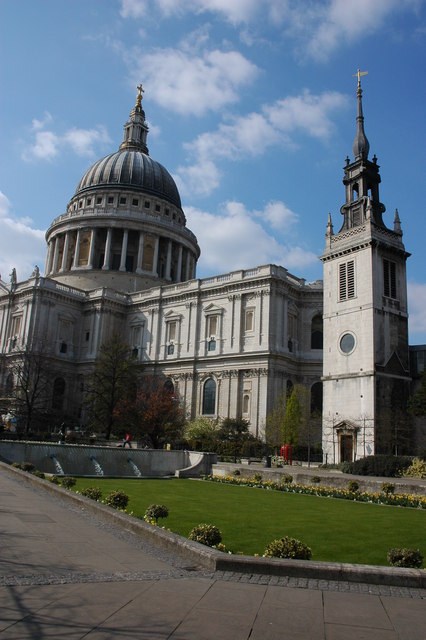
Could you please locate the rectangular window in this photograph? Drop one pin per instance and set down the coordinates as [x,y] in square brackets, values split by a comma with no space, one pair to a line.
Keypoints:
[212,325]
[347,280]
[249,321]
[172,331]
[389,279]
[16,326]
[135,202]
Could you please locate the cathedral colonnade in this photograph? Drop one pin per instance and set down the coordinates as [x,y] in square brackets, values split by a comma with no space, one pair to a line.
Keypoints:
[120,249]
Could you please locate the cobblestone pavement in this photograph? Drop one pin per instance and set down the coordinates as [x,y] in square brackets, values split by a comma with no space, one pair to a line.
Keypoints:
[66,574]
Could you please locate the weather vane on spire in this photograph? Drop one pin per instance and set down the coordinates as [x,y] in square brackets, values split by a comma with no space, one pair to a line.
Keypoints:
[358,75]
[139,96]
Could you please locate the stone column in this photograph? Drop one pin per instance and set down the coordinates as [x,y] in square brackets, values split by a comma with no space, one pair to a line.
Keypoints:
[155,260]
[77,250]
[179,265]
[65,252]
[188,257]
[92,249]
[169,260]
[124,250]
[107,254]
[55,254]
[49,257]
[140,253]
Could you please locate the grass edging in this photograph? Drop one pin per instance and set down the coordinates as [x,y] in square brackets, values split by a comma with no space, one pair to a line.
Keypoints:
[214,560]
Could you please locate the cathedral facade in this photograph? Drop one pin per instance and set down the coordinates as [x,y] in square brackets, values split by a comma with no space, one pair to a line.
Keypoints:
[122,260]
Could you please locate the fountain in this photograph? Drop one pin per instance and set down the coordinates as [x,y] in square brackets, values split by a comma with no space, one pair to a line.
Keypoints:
[134,467]
[106,461]
[98,468]
[58,466]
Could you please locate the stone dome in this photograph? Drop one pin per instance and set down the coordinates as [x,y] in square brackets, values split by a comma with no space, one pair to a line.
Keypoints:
[132,168]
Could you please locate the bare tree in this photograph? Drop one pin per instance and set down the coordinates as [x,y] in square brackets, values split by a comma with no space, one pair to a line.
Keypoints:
[31,383]
[115,376]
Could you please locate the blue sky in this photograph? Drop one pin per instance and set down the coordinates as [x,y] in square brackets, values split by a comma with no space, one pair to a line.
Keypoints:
[251,106]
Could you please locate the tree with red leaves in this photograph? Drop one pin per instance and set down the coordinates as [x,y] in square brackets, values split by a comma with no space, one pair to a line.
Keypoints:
[155,415]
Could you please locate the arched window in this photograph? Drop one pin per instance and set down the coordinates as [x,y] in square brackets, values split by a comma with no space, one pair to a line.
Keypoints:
[209,397]
[316,332]
[316,398]
[58,393]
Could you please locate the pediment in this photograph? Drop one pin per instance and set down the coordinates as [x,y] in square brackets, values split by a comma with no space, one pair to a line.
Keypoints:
[212,309]
[172,315]
[346,426]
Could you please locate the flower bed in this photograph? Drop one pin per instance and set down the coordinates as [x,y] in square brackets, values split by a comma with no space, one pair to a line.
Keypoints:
[396,500]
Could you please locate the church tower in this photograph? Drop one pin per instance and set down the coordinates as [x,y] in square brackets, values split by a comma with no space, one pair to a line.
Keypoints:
[365,366]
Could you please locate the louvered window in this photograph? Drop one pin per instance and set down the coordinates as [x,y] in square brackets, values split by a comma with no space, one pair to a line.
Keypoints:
[347,280]
[389,279]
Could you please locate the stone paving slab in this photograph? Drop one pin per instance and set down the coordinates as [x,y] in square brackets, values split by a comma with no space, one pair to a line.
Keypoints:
[81,577]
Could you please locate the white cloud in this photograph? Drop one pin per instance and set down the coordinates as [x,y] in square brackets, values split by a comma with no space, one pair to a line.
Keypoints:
[133,8]
[235,239]
[47,144]
[193,84]
[235,11]
[318,28]
[324,27]
[252,134]
[21,246]
[44,147]
[306,112]
[82,141]
[417,308]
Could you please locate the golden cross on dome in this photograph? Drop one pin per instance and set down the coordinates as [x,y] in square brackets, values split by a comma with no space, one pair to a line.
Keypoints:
[358,75]
[139,97]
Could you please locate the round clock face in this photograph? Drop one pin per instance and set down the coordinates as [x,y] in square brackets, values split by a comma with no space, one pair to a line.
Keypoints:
[347,343]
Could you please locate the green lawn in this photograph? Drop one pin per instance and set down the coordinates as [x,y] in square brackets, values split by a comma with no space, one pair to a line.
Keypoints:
[336,530]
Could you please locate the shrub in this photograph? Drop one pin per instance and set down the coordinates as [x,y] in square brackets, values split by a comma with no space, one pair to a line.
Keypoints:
[379,465]
[315,479]
[55,480]
[417,469]
[388,487]
[117,500]
[27,466]
[288,548]
[353,486]
[286,478]
[67,483]
[38,474]
[155,511]
[405,558]
[94,493]
[206,534]
[237,472]
[257,477]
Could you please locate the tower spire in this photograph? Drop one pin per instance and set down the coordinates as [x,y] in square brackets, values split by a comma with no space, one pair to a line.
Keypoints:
[136,128]
[361,146]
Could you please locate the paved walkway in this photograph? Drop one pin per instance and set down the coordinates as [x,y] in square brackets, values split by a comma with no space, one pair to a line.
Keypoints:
[66,574]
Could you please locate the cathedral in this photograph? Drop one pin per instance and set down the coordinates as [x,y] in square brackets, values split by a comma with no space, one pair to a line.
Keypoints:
[121,259]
